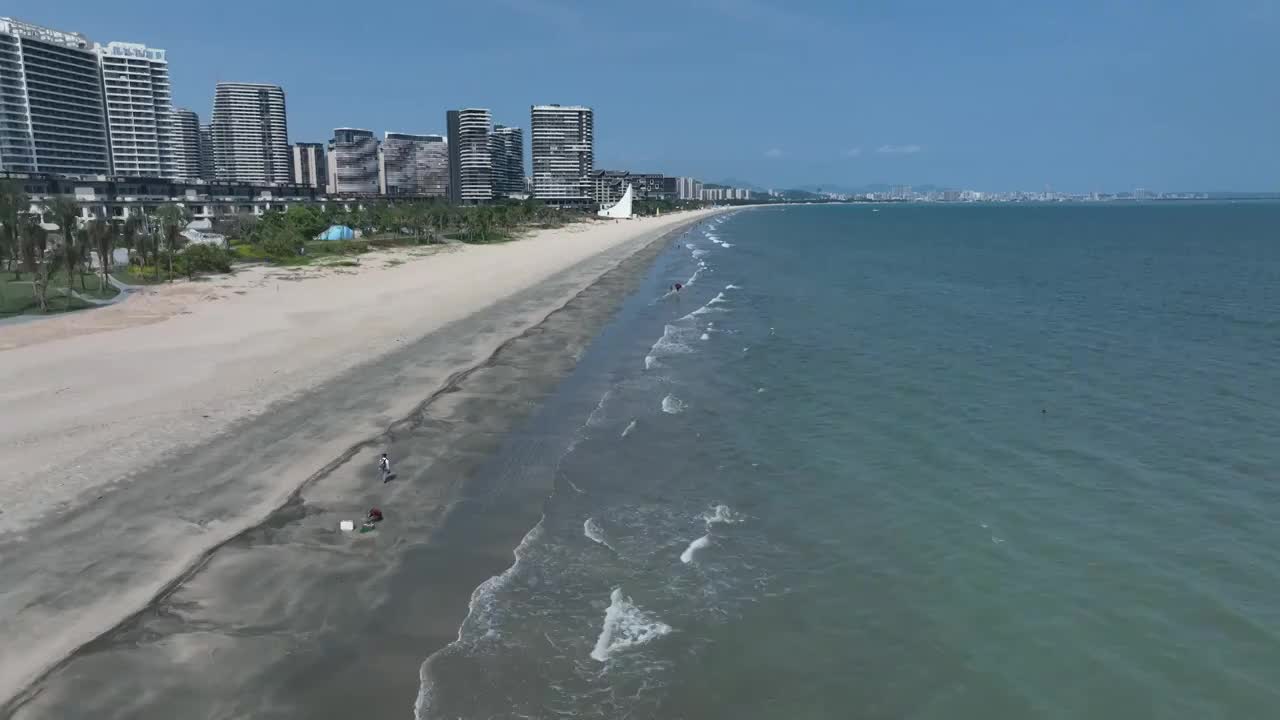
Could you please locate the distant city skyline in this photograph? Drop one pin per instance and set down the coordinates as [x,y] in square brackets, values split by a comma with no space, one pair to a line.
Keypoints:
[1086,97]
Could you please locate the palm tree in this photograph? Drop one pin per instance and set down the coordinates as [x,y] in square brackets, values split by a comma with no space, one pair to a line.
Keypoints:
[129,233]
[102,236]
[34,244]
[84,251]
[173,220]
[13,202]
[66,213]
[149,247]
[480,223]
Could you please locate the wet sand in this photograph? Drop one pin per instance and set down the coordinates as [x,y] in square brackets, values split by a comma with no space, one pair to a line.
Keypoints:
[292,618]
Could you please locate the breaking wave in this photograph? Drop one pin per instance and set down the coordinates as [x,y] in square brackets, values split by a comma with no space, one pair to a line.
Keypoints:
[686,557]
[672,405]
[625,626]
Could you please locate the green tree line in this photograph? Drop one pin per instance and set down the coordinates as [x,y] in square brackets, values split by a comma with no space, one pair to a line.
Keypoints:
[155,241]
[25,246]
[283,233]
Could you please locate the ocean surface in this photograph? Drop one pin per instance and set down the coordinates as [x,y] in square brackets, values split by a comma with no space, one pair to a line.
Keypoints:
[904,462]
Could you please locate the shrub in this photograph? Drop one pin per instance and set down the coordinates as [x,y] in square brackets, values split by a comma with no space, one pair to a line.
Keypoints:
[282,244]
[200,258]
[248,252]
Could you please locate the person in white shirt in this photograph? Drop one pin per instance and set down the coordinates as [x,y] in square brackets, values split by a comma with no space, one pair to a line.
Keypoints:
[385,466]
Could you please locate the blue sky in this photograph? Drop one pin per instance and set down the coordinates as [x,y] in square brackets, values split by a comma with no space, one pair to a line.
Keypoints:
[987,95]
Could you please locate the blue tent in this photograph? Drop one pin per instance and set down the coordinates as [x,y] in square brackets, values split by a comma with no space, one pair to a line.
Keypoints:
[337,232]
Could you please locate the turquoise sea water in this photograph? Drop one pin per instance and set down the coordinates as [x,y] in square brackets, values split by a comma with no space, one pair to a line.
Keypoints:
[908,462]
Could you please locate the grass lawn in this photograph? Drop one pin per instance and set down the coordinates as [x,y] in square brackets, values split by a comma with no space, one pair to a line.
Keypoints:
[133,275]
[16,297]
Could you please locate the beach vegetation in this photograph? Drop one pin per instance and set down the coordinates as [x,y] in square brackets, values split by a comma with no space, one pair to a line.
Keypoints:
[146,247]
[307,221]
[282,243]
[66,214]
[13,206]
[102,237]
[45,291]
[322,248]
[172,220]
[155,242]
[236,228]
[204,258]
[37,261]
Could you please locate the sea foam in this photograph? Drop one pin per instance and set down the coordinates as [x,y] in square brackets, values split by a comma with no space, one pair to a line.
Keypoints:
[595,533]
[672,405]
[722,514]
[478,624]
[625,626]
[671,343]
[598,413]
[686,557]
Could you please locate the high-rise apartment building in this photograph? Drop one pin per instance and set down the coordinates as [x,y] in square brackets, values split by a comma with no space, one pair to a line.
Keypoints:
[250,133]
[506,147]
[207,167]
[353,162]
[186,144]
[670,188]
[416,165]
[135,81]
[470,161]
[310,164]
[688,189]
[563,152]
[52,114]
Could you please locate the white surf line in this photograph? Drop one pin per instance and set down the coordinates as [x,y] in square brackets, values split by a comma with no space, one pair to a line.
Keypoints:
[686,557]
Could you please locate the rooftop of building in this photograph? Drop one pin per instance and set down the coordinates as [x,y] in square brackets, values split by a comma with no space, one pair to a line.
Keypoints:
[412,136]
[116,48]
[229,83]
[12,26]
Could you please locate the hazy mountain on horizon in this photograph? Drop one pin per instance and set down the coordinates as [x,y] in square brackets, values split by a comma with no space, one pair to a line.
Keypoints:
[735,183]
[869,188]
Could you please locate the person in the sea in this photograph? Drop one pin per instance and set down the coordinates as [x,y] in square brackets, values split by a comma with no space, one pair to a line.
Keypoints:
[385,466]
[677,287]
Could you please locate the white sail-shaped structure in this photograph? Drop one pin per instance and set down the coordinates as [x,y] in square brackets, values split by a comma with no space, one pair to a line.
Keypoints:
[620,209]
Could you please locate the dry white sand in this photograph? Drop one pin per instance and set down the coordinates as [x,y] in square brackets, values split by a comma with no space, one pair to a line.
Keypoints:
[91,398]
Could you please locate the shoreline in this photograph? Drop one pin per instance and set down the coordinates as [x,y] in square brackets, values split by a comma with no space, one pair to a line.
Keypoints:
[207,514]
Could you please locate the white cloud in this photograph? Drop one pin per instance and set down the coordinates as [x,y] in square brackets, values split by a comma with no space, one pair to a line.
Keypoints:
[852,152]
[899,149]
[774,153]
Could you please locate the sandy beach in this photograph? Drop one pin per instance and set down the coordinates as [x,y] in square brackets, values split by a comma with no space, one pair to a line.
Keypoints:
[139,436]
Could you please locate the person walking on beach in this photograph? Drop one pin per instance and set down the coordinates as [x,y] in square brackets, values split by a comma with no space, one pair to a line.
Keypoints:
[385,466]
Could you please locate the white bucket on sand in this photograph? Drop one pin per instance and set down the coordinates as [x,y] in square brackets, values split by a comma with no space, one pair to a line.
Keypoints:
[346,526]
